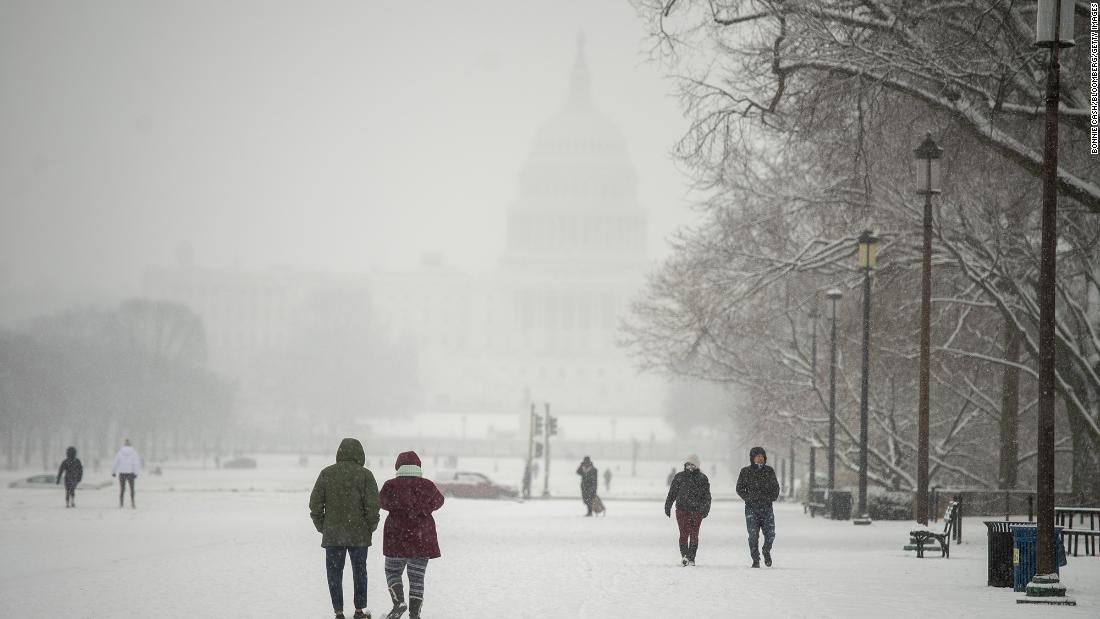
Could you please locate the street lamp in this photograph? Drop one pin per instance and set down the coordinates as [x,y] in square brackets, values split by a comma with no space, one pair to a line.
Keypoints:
[927,160]
[1053,29]
[834,295]
[868,247]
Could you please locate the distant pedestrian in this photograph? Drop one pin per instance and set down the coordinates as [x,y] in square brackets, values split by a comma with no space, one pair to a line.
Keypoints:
[409,539]
[690,490]
[126,467]
[759,488]
[73,472]
[590,481]
[344,509]
[607,480]
[527,480]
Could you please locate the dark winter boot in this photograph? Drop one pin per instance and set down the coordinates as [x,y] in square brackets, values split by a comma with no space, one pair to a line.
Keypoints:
[767,558]
[397,594]
[414,607]
[683,554]
[692,549]
[361,615]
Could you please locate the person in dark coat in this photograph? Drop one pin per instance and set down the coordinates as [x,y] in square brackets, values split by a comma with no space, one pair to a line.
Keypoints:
[759,488]
[344,509]
[527,480]
[73,472]
[409,538]
[590,480]
[690,490]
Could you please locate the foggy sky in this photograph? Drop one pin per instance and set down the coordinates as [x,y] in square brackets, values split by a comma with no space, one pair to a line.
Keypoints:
[338,135]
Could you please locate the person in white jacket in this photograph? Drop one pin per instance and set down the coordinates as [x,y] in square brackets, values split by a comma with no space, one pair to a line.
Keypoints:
[127,465]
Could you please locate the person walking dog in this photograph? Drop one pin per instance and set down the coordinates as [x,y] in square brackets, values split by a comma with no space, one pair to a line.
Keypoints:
[590,480]
[344,509]
[408,538]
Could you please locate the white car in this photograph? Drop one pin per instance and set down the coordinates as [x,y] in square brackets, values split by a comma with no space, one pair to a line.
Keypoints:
[48,480]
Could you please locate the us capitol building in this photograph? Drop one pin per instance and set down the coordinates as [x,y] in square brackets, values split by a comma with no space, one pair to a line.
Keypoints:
[541,328]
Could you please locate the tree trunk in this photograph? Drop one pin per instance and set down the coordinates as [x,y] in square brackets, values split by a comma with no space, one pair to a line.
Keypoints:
[1010,411]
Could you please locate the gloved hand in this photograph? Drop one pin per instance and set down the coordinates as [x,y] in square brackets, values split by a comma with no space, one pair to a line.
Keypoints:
[668,512]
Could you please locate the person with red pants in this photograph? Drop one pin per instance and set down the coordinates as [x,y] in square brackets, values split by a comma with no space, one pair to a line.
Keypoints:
[690,491]
[409,538]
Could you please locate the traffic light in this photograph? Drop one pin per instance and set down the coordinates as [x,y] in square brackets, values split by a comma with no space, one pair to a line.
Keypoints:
[538,424]
[551,425]
[538,450]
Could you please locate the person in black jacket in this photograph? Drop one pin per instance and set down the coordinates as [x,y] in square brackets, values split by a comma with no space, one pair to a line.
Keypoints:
[73,471]
[690,490]
[590,479]
[759,488]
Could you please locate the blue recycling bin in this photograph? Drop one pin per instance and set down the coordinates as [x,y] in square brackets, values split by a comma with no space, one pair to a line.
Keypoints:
[1023,554]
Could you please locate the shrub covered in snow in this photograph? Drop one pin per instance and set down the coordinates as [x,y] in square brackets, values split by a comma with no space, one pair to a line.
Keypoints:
[889,504]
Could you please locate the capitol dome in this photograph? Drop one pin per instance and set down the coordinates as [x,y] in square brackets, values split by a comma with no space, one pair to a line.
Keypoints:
[578,191]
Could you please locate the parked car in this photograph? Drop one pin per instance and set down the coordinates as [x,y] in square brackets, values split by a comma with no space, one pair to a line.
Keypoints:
[239,463]
[470,485]
[49,480]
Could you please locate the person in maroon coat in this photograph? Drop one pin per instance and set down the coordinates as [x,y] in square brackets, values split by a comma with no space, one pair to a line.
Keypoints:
[408,538]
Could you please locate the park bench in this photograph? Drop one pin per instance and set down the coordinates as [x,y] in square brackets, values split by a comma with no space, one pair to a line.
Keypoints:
[920,537]
[814,506]
[1071,536]
[816,502]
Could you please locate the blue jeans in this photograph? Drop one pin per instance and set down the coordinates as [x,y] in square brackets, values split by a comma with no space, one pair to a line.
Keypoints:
[760,518]
[334,565]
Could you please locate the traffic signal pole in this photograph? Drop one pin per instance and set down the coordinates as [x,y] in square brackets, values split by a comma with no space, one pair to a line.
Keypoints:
[530,450]
[546,452]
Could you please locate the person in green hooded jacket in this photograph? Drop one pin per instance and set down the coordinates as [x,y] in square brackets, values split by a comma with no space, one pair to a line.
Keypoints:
[344,507]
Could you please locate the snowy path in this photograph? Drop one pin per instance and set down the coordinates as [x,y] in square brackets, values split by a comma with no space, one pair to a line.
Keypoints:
[255,554]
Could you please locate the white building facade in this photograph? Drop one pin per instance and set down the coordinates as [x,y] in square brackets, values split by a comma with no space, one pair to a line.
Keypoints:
[542,328]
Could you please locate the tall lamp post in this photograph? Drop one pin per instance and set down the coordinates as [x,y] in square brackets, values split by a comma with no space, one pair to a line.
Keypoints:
[928,156]
[834,295]
[868,246]
[1053,29]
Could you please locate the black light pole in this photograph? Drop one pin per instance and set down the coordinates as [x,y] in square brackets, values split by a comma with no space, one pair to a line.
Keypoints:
[1053,29]
[867,248]
[928,156]
[834,295]
[814,315]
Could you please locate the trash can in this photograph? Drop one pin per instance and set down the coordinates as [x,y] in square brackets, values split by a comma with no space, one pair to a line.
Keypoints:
[840,505]
[999,537]
[1023,554]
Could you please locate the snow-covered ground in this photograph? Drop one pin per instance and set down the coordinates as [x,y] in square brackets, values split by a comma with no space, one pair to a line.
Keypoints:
[216,543]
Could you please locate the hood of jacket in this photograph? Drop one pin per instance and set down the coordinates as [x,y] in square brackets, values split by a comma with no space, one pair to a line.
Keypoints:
[70,452]
[351,450]
[407,457]
[757,450]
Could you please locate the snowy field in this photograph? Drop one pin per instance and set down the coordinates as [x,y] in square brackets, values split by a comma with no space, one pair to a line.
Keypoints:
[216,543]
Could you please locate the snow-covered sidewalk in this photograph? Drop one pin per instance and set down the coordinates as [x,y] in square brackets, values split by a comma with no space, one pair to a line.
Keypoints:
[186,553]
